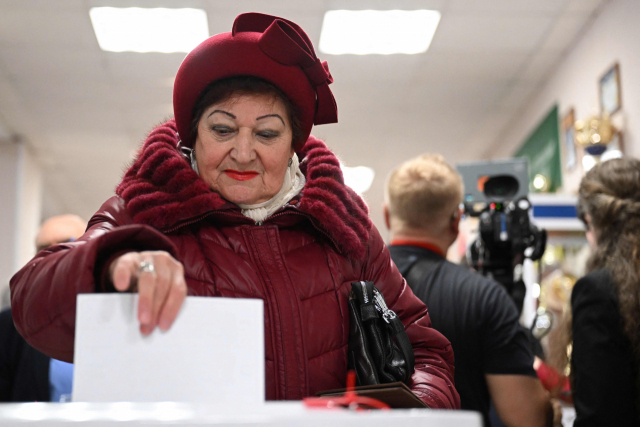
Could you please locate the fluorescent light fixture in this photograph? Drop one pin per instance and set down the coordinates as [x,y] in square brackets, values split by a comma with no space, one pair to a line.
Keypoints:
[134,29]
[359,178]
[365,32]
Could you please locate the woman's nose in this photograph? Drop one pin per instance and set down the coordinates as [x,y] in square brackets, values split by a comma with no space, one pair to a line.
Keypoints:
[243,151]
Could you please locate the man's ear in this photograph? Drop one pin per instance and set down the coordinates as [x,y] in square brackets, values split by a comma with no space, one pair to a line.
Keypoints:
[455,222]
[385,212]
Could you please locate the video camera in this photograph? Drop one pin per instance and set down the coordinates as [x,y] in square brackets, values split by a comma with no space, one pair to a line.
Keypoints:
[496,192]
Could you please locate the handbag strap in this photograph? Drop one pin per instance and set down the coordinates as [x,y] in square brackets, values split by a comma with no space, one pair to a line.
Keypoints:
[419,269]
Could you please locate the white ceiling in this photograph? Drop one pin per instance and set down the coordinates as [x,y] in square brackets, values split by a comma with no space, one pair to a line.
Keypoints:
[84,111]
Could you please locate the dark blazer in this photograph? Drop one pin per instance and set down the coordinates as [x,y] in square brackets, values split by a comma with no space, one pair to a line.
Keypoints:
[24,371]
[603,366]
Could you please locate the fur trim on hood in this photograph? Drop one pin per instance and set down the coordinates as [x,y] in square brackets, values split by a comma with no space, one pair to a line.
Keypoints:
[161,190]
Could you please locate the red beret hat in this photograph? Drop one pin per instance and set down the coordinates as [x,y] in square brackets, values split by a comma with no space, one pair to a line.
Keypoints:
[263,46]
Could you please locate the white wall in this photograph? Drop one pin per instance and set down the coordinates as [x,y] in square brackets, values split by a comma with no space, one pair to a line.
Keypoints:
[20,208]
[613,36]
[29,204]
[8,211]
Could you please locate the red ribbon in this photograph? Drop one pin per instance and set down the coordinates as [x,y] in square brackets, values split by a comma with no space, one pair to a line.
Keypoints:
[285,42]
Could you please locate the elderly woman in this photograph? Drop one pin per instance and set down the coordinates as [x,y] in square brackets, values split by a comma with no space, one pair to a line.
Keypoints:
[235,199]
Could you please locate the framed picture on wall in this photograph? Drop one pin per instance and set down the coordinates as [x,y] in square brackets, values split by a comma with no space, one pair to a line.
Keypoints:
[569,149]
[610,99]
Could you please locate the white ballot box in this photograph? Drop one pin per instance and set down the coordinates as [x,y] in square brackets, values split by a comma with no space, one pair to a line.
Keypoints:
[213,353]
[270,414]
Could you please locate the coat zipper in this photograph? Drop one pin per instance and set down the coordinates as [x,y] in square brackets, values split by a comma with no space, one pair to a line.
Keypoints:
[310,219]
[258,223]
[198,219]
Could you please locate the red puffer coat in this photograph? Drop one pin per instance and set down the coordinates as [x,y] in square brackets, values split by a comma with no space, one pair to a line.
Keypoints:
[300,261]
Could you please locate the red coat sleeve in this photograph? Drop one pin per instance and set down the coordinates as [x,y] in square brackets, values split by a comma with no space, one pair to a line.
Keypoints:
[432,380]
[43,292]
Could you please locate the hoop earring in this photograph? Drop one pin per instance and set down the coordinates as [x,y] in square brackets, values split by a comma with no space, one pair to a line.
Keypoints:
[290,162]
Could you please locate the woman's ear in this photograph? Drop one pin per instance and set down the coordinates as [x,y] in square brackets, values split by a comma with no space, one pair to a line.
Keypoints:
[590,232]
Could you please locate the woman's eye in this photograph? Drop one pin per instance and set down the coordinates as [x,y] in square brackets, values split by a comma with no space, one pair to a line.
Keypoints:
[267,134]
[222,130]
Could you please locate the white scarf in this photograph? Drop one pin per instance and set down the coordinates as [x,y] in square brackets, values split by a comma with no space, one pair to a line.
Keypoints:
[293,183]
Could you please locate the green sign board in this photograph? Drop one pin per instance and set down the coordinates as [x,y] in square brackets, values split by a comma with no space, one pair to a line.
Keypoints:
[542,149]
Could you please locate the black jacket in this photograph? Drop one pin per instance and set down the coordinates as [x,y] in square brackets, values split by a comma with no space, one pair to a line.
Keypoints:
[603,366]
[478,317]
[24,371]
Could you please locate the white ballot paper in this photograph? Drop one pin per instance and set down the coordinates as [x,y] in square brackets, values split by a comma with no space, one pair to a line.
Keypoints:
[213,353]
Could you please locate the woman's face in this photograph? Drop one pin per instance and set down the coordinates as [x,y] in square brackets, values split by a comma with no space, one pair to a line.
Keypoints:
[243,147]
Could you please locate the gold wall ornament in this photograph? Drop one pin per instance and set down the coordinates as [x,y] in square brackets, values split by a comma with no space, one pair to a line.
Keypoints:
[594,134]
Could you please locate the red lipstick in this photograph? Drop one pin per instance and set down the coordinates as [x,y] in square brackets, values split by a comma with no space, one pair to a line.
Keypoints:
[240,176]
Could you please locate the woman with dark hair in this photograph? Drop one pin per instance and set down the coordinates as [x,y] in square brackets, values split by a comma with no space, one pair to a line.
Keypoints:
[605,358]
[234,198]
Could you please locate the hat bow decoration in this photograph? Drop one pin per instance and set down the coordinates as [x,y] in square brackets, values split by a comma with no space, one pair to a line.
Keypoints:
[286,43]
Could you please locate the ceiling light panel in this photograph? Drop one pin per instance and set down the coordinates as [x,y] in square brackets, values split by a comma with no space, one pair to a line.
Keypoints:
[365,32]
[136,29]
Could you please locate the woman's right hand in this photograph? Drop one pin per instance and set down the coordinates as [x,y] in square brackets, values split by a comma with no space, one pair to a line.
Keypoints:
[159,280]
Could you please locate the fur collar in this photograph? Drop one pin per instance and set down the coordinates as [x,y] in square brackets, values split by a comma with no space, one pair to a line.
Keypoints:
[161,190]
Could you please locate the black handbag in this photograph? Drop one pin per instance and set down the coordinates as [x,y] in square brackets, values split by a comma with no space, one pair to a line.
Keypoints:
[379,350]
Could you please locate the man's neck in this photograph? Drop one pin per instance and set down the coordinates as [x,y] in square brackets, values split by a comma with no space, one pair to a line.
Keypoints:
[420,239]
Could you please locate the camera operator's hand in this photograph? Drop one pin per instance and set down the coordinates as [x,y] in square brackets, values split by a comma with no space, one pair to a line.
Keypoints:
[159,280]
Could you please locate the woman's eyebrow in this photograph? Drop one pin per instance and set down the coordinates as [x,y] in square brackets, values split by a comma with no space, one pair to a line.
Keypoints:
[271,115]
[223,112]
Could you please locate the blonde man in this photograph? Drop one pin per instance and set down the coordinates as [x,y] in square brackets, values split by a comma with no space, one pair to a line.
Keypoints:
[493,356]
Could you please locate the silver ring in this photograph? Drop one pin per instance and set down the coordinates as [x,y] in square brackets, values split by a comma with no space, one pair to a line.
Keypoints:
[147,267]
